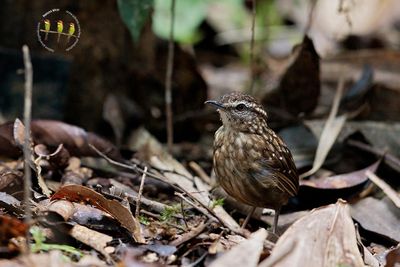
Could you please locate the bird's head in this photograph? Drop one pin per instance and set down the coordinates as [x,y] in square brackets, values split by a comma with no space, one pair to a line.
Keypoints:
[240,112]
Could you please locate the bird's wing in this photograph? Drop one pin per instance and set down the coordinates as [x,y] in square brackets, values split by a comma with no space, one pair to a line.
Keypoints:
[276,165]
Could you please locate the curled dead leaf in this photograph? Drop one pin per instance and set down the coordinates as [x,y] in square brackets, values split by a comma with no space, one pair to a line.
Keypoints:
[78,193]
[341,181]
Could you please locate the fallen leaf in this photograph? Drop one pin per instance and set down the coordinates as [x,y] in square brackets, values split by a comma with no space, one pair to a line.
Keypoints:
[8,147]
[10,227]
[53,133]
[342,180]
[58,159]
[299,88]
[332,128]
[325,237]
[78,193]
[393,257]
[247,253]
[379,216]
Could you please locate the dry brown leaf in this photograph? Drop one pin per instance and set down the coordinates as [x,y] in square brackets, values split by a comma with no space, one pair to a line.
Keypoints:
[340,181]
[325,237]
[53,133]
[247,253]
[8,147]
[393,257]
[379,216]
[78,193]
[75,139]
[331,130]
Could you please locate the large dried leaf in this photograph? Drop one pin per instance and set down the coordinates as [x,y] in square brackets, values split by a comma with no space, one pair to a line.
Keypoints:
[247,253]
[53,133]
[299,87]
[75,139]
[341,181]
[379,216]
[78,193]
[325,237]
[8,147]
[332,128]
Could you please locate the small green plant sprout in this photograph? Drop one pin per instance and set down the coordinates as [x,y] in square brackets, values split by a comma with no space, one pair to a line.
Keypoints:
[170,211]
[39,245]
[217,202]
[144,220]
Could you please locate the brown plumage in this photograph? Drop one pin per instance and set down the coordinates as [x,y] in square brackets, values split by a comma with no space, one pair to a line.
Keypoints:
[251,162]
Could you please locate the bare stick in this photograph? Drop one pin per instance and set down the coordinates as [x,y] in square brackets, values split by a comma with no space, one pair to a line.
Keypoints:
[139,196]
[190,235]
[253,23]
[390,192]
[200,172]
[27,121]
[183,214]
[168,81]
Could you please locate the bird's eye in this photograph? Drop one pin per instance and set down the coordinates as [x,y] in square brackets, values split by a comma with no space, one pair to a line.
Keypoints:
[240,107]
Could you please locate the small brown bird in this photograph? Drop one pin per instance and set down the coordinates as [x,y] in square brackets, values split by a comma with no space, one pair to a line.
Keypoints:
[251,162]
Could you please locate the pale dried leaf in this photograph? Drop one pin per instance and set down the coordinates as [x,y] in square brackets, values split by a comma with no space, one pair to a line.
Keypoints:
[325,237]
[247,253]
[332,128]
[379,216]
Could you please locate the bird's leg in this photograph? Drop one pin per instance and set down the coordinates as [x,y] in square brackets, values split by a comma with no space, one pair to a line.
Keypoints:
[248,217]
[276,218]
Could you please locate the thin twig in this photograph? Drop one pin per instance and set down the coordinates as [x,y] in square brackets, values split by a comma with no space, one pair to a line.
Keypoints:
[392,194]
[191,203]
[200,172]
[252,67]
[168,81]
[27,122]
[139,196]
[183,214]
[189,235]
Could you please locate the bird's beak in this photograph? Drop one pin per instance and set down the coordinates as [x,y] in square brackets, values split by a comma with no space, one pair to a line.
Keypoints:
[215,104]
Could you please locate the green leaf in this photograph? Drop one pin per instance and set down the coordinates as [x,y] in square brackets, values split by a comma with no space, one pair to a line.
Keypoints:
[134,14]
[189,14]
